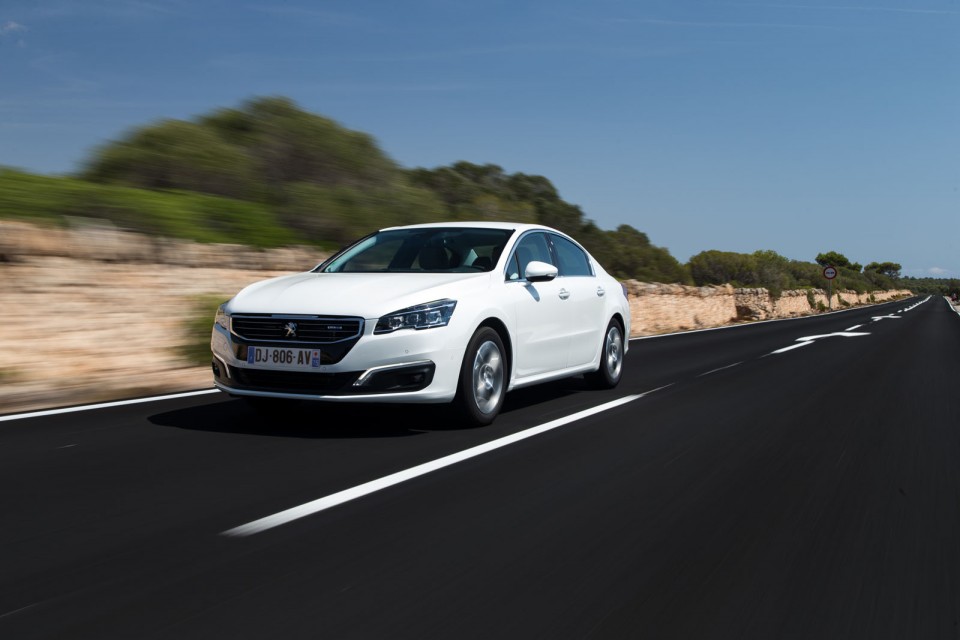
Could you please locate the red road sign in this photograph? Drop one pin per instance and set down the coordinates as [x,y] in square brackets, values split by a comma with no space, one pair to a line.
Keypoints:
[830,273]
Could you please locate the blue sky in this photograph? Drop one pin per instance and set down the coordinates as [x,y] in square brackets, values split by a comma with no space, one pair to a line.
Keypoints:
[794,126]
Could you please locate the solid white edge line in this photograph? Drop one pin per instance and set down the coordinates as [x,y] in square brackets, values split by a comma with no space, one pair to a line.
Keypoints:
[753,324]
[322,504]
[104,405]
[950,304]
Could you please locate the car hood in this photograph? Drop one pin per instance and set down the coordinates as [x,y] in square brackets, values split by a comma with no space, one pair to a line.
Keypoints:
[368,295]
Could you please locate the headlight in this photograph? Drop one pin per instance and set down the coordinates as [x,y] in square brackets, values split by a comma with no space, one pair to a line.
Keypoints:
[422,316]
[222,318]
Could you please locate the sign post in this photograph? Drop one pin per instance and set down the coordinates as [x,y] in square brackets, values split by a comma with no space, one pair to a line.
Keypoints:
[830,273]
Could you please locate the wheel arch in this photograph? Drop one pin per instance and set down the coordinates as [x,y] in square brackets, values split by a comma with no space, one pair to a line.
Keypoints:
[617,317]
[501,328]
[624,329]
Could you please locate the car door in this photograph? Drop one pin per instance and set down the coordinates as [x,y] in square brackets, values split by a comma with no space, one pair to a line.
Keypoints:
[585,304]
[541,329]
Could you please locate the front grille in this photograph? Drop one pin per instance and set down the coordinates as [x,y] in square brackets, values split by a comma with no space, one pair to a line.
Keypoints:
[292,381]
[305,329]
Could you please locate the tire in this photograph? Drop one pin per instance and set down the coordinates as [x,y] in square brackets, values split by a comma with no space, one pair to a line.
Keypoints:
[483,378]
[611,359]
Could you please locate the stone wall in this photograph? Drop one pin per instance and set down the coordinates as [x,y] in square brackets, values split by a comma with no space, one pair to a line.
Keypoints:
[100,240]
[664,308]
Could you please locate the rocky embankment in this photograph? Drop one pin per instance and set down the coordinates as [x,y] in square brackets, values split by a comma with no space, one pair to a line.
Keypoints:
[663,308]
[94,313]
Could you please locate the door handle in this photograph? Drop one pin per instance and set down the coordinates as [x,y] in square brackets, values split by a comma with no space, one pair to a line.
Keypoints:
[564,294]
[600,291]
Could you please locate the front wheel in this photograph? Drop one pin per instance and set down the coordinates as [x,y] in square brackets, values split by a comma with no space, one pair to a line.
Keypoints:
[611,359]
[483,376]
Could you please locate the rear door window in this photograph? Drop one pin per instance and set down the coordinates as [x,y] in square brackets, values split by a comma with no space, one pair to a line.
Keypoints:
[573,260]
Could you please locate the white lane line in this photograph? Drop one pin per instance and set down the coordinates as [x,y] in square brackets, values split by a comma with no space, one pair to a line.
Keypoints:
[856,326]
[104,405]
[66,446]
[890,317]
[327,502]
[791,347]
[10,613]
[729,366]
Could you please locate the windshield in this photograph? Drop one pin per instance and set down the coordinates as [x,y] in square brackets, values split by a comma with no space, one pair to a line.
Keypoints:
[423,250]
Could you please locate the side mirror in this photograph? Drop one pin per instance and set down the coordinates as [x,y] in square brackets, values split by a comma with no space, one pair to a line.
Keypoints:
[539,272]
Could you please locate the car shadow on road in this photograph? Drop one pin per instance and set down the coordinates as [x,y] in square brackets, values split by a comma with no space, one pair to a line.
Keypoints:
[315,420]
[541,394]
[298,420]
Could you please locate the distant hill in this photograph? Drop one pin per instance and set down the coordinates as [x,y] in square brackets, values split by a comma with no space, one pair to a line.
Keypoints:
[269,173]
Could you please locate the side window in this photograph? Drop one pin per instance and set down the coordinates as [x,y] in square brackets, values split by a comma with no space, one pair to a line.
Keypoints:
[532,247]
[573,261]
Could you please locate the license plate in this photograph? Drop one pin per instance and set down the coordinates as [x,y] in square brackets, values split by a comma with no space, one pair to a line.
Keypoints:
[282,358]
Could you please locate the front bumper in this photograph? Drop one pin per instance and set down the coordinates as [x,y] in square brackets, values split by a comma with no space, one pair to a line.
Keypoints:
[404,366]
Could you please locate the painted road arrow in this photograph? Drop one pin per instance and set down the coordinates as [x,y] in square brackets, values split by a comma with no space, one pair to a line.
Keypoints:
[802,342]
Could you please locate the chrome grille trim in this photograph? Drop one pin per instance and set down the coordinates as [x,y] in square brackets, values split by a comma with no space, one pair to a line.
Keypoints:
[310,329]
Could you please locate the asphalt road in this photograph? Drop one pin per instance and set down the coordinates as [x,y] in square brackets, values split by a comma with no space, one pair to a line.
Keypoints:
[739,490]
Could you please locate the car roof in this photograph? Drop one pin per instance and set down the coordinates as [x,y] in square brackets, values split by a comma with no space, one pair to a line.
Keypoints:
[517,226]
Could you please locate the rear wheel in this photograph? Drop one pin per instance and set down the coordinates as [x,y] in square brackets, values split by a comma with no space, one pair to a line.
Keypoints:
[483,377]
[611,359]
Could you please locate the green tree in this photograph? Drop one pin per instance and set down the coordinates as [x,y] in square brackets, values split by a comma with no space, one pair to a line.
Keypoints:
[335,215]
[628,253]
[253,152]
[173,154]
[832,259]
[888,269]
[773,272]
[724,267]
[485,192]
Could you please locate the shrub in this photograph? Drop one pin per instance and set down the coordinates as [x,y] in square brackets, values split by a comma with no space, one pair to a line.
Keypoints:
[197,327]
[177,214]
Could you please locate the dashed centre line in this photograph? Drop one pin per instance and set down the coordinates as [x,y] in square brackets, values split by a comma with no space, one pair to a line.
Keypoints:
[848,333]
[791,347]
[729,366]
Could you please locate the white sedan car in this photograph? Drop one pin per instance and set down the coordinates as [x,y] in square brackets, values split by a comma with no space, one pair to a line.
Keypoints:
[450,312]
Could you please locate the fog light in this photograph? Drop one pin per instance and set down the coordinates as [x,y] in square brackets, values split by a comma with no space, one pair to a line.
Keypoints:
[413,377]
